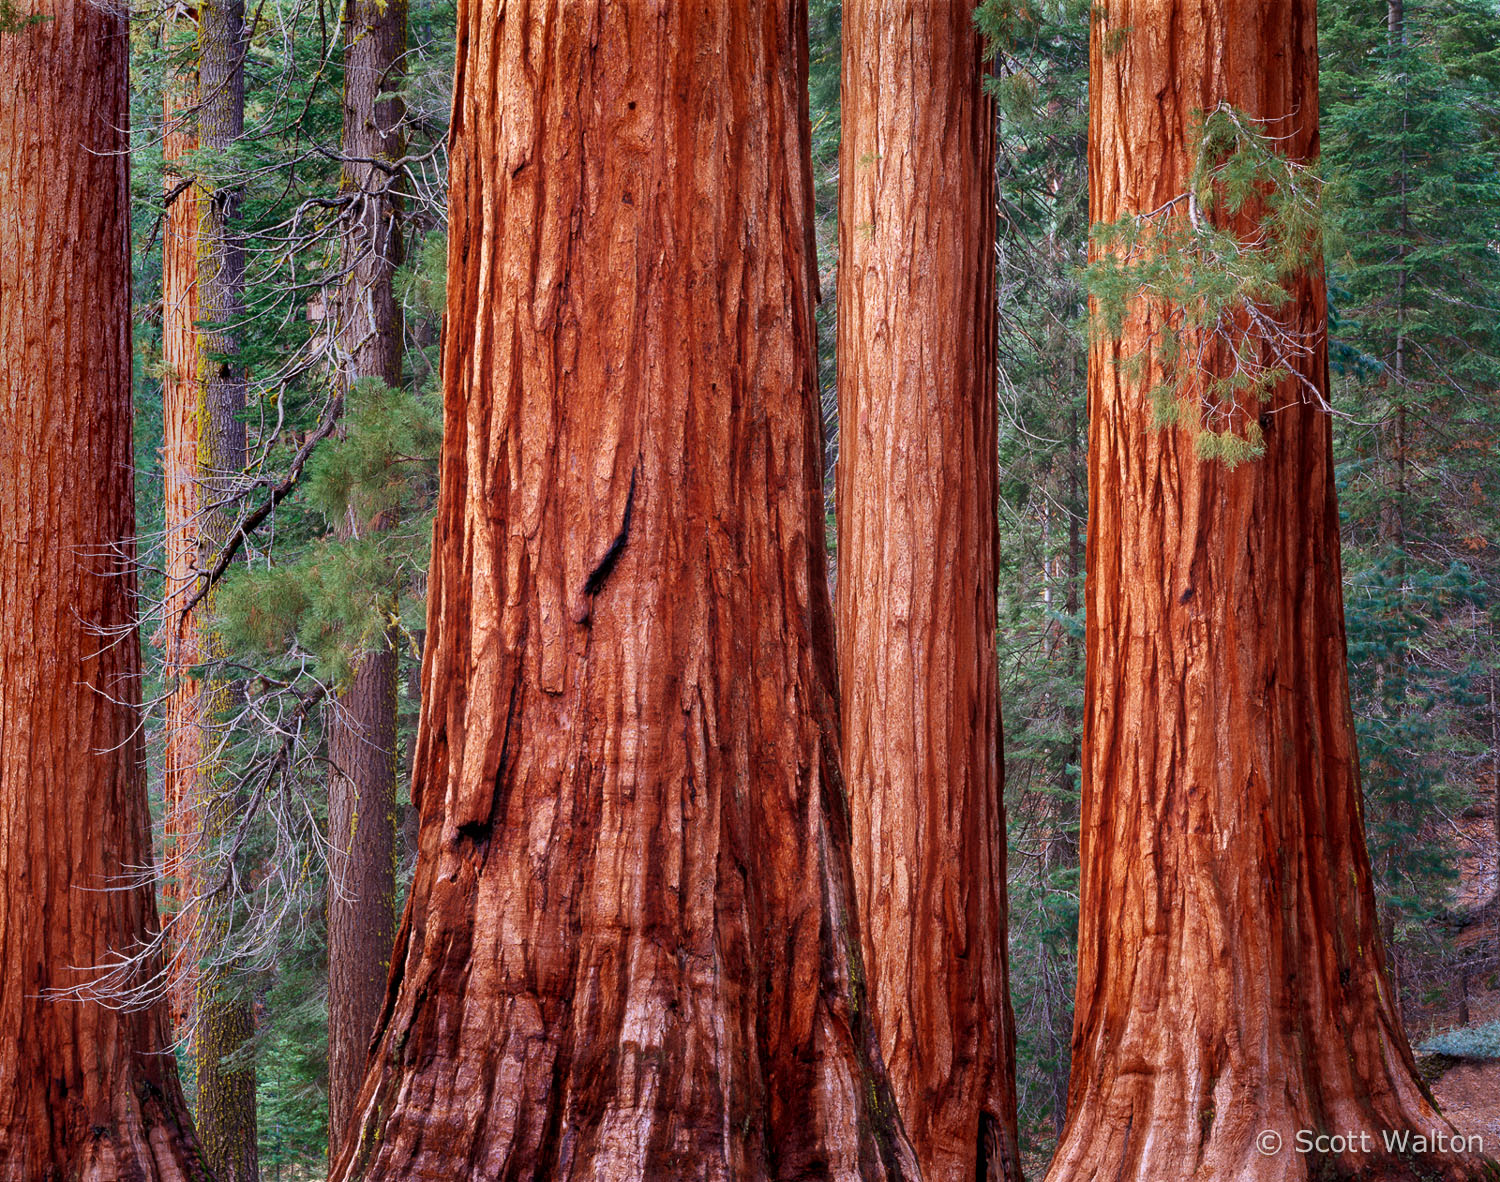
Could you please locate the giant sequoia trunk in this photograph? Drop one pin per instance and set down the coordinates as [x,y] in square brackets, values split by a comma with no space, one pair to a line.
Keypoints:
[362,724]
[223,1020]
[1230,979]
[918,547]
[630,948]
[86,1091]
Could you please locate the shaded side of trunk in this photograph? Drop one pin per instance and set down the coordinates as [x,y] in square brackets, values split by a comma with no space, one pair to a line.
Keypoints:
[86,1090]
[1231,982]
[181,400]
[362,724]
[918,540]
[225,1019]
[630,948]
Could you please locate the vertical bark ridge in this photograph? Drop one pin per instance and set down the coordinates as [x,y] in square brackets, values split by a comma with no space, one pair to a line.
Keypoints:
[630,947]
[918,542]
[1231,978]
[86,1091]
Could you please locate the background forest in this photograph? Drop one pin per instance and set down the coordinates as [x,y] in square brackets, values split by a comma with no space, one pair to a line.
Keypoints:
[1411,159]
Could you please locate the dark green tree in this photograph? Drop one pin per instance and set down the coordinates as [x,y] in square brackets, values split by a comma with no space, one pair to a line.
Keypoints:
[1041,90]
[1411,150]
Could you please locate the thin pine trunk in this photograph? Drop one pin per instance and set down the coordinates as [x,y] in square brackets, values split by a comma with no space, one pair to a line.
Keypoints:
[224,1018]
[362,723]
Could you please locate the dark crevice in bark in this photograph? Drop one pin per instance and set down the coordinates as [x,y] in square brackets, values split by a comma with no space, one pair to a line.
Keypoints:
[606,565]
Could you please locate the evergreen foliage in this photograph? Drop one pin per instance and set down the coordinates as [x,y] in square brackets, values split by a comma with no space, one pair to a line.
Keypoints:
[1040,88]
[292,1063]
[1469,1042]
[824,55]
[333,602]
[299,604]
[1214,265]
[12,20]
[1412,148]
[1407,708]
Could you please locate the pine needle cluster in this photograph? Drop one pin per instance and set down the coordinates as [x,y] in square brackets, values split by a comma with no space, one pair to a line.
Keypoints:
[1211,272]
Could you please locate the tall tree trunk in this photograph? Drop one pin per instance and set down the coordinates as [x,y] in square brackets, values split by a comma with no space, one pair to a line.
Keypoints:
[1231,981]
[919,547]
[86,1091]
[362,724]
[224,1025]
[181,400]
[630,948]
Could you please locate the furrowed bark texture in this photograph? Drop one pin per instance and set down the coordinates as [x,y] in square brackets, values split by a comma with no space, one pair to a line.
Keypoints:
[86,1091]
[630,948]
[182,396]
[918,542]
[362,725]
[1231,978]
[224,1017]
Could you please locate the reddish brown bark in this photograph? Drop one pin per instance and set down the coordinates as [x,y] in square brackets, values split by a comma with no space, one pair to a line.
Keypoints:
[86,1091]
[1231,979]
[181,402]
[918,545]
[629,950]
[362,725]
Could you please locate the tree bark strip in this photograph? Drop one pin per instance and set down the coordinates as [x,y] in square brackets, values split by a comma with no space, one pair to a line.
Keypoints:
[362,724]
[1231,977]
[86,1091]
[919,546]
[181,400]
[630,948]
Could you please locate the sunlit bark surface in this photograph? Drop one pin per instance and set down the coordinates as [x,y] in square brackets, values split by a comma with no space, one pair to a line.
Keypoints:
[182,396]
